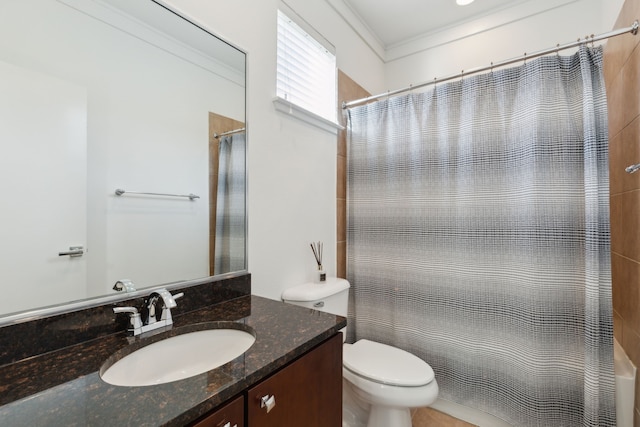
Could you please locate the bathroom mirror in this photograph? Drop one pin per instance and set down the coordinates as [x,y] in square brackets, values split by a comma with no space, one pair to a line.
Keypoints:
[104,95]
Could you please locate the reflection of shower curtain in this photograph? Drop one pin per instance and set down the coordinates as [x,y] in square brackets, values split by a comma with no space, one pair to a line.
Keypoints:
[478,238]
[230,209]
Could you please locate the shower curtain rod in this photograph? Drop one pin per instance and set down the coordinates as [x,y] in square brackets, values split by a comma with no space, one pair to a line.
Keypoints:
[633,29]
[218,135]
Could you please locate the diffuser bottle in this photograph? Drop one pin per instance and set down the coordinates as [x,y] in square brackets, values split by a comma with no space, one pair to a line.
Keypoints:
[321,275]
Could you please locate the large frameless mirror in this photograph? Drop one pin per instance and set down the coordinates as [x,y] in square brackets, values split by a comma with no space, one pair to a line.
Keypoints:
[122,151]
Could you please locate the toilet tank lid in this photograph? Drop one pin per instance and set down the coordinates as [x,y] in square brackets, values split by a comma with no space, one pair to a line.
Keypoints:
[315,291]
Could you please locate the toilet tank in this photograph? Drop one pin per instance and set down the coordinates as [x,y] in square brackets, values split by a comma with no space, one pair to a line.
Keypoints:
[331,296]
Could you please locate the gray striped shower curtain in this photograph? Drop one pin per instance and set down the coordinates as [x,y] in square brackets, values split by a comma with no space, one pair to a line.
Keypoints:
[478,238]
[230,206]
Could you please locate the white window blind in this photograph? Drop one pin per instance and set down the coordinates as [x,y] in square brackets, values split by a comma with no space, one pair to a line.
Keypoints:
[306,70]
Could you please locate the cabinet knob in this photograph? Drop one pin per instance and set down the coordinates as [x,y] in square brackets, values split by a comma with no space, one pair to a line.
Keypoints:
[268,402]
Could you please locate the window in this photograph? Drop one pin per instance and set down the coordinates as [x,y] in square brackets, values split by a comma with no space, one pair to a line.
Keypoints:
[306,70]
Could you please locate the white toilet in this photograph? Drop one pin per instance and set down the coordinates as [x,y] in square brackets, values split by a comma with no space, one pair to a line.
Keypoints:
[381,383]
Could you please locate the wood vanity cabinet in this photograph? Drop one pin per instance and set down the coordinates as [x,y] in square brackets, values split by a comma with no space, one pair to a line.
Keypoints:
[230,415]
[306,393]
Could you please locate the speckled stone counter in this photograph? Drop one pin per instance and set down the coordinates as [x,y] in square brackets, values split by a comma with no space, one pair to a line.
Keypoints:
[63,387]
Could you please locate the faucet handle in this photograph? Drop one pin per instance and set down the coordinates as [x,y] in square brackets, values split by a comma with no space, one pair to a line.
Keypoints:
[166,310]
[167,298]
[131,310]
[134,318]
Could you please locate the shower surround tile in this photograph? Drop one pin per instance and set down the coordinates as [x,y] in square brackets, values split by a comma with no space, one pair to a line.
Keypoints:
[624,151]
[614,58]
[622,75]
[617,326]
[631,86]
[625,219]
[626,291]
[630,11]
[615,100]
[616,176]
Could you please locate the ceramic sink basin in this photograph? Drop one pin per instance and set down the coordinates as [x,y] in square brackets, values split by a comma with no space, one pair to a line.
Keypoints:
[178,357]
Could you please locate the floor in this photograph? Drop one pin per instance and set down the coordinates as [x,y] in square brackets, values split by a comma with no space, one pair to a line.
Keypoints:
[427,417]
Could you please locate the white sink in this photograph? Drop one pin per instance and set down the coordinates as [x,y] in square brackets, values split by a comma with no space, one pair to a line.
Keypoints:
[179,357]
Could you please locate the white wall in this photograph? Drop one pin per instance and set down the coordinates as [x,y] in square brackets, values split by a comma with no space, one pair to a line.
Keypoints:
[292,165]
[509,34]
[292,172]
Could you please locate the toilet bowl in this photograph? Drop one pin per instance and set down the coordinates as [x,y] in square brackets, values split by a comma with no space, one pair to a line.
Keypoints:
[381,382]
[389,379]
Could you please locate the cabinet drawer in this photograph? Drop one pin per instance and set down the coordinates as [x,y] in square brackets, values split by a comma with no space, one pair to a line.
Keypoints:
[230,415]
[308,392]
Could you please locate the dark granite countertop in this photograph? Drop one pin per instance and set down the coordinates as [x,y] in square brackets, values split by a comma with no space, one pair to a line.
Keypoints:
[64,388]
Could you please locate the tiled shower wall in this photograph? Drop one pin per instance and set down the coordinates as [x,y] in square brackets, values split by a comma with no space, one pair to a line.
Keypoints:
[622,76]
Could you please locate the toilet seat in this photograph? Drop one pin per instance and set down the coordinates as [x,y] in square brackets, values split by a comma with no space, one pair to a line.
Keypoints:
[386,364]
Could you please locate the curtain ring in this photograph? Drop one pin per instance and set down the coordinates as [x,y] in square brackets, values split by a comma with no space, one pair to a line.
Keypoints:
[558,50]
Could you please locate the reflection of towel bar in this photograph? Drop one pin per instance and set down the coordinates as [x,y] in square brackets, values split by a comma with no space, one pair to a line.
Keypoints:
[231,132]
[120,192]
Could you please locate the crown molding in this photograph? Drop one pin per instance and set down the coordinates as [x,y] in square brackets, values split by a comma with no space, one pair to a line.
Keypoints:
[507,15]
[470,28]
[353,20]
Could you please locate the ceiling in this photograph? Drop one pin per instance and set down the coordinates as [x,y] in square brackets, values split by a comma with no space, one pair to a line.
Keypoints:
[393,22]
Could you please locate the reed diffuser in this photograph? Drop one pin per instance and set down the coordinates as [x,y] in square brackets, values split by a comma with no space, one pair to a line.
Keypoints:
[321,275]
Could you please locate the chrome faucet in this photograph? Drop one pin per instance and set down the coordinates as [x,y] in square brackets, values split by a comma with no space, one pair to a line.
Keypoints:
[151,322]
[168,302]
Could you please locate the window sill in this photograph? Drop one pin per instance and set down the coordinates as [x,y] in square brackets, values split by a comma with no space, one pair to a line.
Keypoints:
[299,113]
